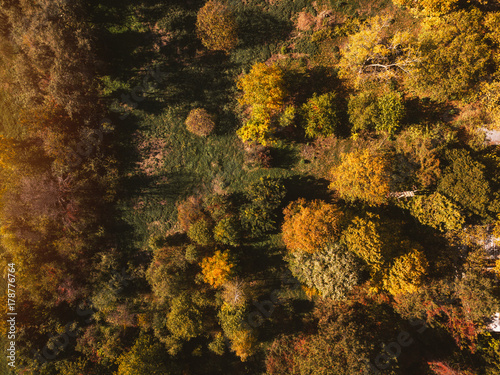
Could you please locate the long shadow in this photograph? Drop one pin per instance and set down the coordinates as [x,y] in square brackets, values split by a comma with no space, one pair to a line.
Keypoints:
[258,27]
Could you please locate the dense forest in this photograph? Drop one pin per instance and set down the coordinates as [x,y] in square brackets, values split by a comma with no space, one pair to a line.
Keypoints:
[261,187]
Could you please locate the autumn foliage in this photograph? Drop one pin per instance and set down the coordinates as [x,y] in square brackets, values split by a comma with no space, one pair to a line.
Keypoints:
[362,175]
[310,226]
[216,26]
[218,268]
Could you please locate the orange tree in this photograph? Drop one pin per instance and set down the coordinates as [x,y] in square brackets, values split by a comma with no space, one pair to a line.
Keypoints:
[362,175]
[216,27]
[218,268]
[310,226]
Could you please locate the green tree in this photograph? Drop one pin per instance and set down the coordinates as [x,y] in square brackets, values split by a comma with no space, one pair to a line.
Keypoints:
[265,196]
[228,231]
[464,182]
[216,26]
[321,115]
[185,319]
[381,112]
[146,356]
[200,232]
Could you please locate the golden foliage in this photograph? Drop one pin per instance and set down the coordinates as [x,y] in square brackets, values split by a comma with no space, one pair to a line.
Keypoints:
[362,175]
[363,239]
[376,51]
[216,26]
[264,92]
[406,274]
[310,226]
[217,269]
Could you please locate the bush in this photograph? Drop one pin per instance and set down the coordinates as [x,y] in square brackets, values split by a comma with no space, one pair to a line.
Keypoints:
[216,26]
[201,232]
[321,115]
[200,122]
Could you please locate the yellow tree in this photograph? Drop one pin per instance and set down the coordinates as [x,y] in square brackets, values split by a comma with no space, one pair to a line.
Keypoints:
[406,274]
[377,51]
[362,175]
[363,239]
[216,26]
[264,93]
[217,269]
[428,7]
[310,226]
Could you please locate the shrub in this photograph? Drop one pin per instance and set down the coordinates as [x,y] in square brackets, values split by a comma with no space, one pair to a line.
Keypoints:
[201,232]
[227,231]
[321,115]
[216,26]
[310,226]
[200,122]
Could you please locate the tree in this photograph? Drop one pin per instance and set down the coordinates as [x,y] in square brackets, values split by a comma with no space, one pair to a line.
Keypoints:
[363,238]
[376,51]
[227,231]
[346,340]
[185,319]
[233,322]
[146,356]
[321,115]
[310,226]
[428,7]
[200,232]
[200,122]
[464,182]
[436,211]
[216,26]
[264,92]
[218,268]
[406,274]
[362,175]
[265,196]
[383,112]
[332,271]
[454,55]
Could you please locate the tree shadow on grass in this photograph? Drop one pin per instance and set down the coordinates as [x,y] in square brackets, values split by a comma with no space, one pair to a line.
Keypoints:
[258,27]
